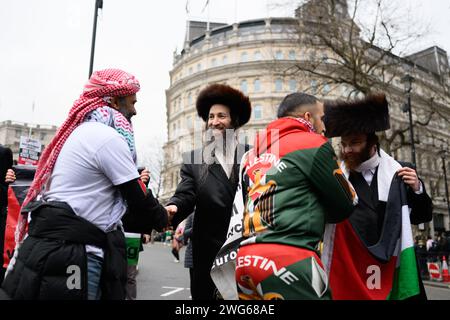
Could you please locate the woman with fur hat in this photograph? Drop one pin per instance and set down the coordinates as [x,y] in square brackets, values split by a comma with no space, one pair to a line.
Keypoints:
[209,177]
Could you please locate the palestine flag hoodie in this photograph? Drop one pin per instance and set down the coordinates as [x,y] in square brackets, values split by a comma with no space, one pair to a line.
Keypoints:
[292,186]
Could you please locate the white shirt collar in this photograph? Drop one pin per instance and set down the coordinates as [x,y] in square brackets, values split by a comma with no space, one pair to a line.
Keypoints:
[369,164]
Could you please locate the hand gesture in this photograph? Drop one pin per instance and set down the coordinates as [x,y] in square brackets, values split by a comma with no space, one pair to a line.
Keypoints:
[10,176]
[409,177]
[145,176]
[146,238]
[171,210]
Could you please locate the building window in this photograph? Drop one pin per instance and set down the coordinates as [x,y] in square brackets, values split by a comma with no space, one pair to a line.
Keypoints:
[257,112]
[174,129]
[18,133]
[326,88]
[244,57]
[292,85]
[279,55]
[174,106]
[189,122]
[257,85]
[314,86]
[190,70]
[278,85]
[438,222]
[214,62]
[224,60]
[258,55]
[189,99]
[199,67]
[292,55]
[43,135]
[244,87]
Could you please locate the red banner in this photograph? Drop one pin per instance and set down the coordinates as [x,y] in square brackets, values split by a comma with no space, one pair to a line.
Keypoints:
[16,194]
[11,223]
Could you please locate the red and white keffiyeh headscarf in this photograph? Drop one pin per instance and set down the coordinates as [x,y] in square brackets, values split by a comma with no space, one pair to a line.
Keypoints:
[101,86]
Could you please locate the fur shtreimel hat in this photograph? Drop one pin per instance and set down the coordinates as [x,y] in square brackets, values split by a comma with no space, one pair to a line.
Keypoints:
[238,103]
[367,115]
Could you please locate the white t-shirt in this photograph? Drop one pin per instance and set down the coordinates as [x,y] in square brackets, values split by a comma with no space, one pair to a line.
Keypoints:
[94,159]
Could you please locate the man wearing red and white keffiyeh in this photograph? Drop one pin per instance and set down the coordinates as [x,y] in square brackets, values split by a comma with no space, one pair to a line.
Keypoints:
[85,185]
[100,89]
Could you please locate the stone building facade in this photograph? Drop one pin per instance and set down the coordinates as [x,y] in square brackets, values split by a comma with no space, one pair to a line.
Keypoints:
[11,131]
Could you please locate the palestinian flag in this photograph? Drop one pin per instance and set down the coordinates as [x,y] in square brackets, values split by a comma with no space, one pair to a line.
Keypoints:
[17,192]
[355,274]
[386,270]
[406,278]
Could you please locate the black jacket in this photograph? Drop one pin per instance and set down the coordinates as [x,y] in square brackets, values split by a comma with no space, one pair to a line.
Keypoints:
[6,162]
[421,204]
[54,253]
[213,201]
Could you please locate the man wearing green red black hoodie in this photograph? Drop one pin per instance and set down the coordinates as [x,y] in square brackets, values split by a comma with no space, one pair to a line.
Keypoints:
[292,186]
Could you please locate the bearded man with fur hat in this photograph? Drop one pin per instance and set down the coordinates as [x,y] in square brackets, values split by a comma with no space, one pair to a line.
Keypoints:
[370,256]
[209,178]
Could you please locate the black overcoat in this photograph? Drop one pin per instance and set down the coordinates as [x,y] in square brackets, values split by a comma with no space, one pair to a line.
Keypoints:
[212,198]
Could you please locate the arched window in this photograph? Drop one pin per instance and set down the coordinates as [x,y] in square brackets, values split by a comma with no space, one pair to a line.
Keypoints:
[292,55]
[279,55]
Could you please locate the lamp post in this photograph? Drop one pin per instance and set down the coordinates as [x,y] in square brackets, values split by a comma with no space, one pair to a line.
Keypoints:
[98,5]
[408,80]
[442,153]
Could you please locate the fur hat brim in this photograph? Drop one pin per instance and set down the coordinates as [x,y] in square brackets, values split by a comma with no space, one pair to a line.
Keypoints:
[239,104]
[367,115]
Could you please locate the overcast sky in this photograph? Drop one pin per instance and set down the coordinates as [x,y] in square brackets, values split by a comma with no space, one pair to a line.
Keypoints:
[45,49]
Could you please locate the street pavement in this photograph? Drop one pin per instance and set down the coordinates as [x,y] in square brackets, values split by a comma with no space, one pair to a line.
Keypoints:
[437,290]
[160,278]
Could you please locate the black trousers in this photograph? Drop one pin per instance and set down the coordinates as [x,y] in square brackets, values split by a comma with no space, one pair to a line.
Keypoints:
[191,274]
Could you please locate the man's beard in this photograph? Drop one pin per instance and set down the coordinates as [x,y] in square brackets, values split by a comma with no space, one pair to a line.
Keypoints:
[217,143]
[354,160]
[125,113]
